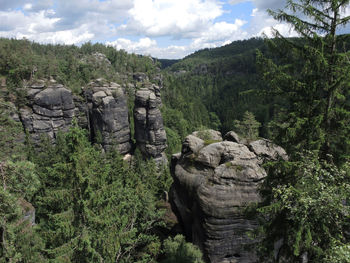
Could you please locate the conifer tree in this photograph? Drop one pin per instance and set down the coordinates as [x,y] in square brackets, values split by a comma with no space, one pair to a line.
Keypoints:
[312,78]
[19,241]
[304,215]
[248,127]
[92,208]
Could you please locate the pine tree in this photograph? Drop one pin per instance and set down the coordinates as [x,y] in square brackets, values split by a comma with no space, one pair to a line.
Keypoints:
[19,240]
[92,208]
[312,77]
[304,215]
[69,174]
[248,127]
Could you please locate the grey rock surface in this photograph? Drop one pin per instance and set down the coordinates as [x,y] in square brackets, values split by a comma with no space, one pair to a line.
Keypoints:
[149,130]
[233,137]
[267,150]
[102,109]
[140,77]
[108,115]
[50,109]
[212,185]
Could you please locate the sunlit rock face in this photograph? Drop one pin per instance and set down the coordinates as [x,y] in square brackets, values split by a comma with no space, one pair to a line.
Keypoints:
[214,180]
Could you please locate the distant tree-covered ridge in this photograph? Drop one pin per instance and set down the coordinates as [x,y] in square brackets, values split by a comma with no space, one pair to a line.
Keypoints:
[70,65]
[214,87]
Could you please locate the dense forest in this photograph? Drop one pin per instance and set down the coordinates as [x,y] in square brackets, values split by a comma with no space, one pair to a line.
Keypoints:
[88,206]
[91,206]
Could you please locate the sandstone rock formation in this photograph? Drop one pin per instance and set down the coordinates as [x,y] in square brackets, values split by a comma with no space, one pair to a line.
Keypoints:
[149,131]
[102,109]
[213,183]
[108,114]
[50,109]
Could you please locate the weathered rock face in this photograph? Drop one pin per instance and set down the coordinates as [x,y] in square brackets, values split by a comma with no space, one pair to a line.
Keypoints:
[50,109]
[212,185]
[108,114]
[149,130]
[103,110]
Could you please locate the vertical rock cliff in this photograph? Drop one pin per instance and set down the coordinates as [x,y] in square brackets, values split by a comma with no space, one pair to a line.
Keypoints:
[108,115]
[214,181]
[50,109]
[103,110]
[150,135]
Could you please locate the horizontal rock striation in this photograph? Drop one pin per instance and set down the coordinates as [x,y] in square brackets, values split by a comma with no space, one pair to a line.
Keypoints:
[103,110]
[108,114]
[150,134]
[50,109]
[214,181]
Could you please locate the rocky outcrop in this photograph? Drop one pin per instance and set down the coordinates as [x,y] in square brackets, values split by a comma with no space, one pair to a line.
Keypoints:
[103,110]
[50,109]
[213,183]
[108,114]
[149,130]
[28,211]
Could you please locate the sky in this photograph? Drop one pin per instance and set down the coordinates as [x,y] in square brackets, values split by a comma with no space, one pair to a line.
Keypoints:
[161,28]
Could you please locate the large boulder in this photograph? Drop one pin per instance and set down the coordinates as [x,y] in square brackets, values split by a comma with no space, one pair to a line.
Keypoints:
[50,109]
[214,181]
[108,114]
[149,130]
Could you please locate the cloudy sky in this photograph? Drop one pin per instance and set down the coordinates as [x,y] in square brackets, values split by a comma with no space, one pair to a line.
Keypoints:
[161,28]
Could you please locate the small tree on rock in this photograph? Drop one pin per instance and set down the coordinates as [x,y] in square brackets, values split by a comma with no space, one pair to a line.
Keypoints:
[248,127]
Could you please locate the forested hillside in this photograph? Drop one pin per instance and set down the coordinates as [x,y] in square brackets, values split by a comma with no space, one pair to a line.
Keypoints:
[214,88]
[65,198]
[83,170]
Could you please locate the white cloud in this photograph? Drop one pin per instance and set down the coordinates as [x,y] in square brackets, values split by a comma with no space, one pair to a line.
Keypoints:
[16,21]
[40,27]
[283,29]
[262,24]
[147,46]
[235,2]
[218,34]
[6,5]
[181,18]
[142,46]
[200,23]
[70,22]
[263,4]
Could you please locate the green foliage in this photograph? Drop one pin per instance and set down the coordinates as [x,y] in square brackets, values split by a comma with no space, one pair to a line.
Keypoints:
[70,65]
[156,179]
[93,207]
[304,202]
[339,253]
[227,86]
[19,239]
[11,133]
[177,250]
[174,142]
[248,127]
[312,80]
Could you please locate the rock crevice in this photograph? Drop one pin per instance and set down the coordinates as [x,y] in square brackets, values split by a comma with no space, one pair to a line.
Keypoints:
[212,185]
[102,109]
[150,134]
